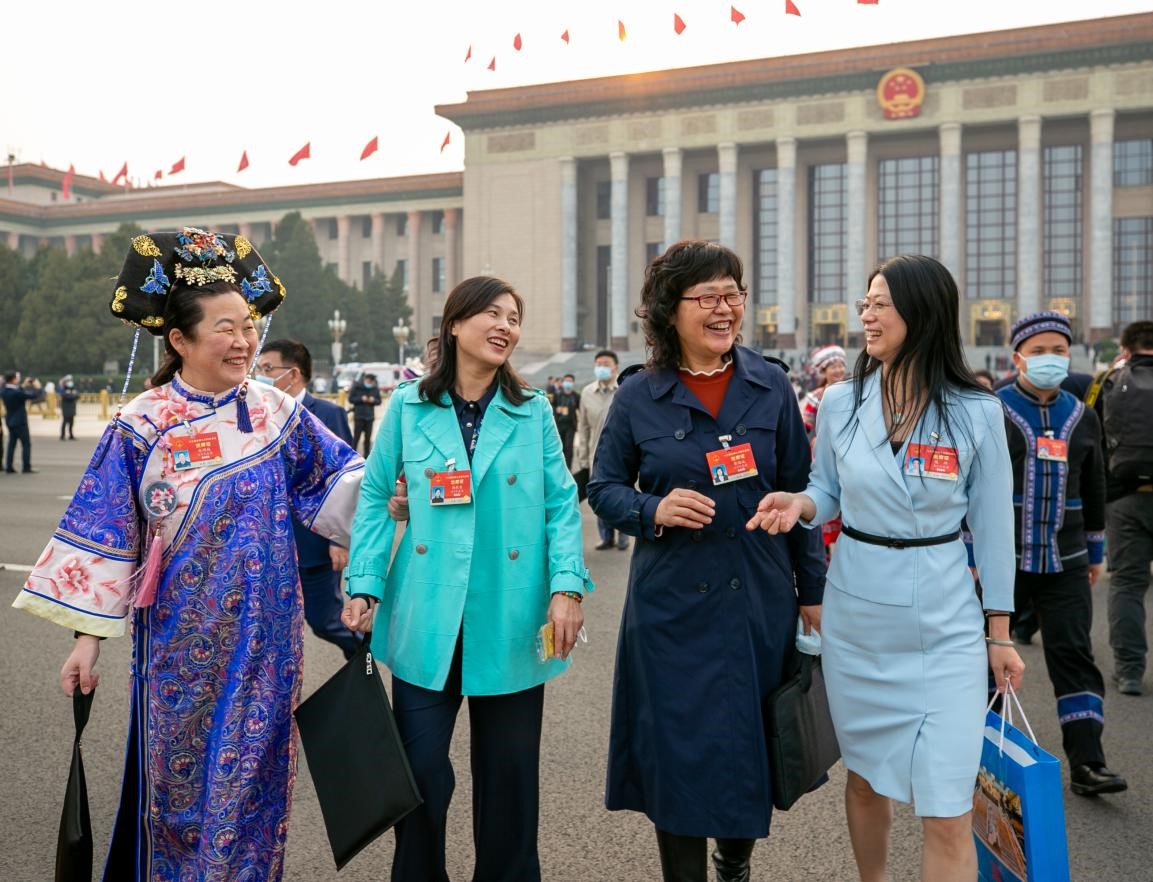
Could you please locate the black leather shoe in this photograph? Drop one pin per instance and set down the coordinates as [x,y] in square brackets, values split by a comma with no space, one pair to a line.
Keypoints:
[1086,780]
[30,471]
[605,545]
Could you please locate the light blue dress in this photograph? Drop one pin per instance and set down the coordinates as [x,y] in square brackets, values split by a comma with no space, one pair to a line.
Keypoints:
[903,633]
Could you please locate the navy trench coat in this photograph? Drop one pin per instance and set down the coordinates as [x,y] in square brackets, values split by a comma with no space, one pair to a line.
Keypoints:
[710,615]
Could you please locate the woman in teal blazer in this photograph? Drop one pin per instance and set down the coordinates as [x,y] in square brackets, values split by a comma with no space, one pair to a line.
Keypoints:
[492,552]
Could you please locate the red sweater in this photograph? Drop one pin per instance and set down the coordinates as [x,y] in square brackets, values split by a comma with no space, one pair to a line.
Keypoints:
[709,390]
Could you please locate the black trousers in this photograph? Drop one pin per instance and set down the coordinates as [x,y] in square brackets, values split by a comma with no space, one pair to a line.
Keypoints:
[66,425]
[505,761]
[1064,606]
[567,436]
[362,427]
[19,433]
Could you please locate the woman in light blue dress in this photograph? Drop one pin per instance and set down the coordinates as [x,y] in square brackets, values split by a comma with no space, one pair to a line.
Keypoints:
[905,451]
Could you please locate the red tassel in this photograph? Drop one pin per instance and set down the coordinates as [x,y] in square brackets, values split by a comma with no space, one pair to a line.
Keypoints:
[150,574]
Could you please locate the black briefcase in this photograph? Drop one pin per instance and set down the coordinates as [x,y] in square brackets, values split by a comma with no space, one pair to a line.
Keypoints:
[74,842]
[802,743]
[355,756]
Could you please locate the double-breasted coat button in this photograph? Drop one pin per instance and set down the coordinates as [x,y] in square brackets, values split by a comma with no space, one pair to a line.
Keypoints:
[698,535]
[693,485]
[428,473]
[679,434]
[741,429]
[702,587]
[421,549]
[735,584]
[511,479]
[513,554]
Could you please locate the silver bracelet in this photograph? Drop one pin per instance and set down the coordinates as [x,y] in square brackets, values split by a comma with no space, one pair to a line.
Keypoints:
[993,642]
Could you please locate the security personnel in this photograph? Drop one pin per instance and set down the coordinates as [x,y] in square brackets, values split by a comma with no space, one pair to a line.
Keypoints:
[1059,495]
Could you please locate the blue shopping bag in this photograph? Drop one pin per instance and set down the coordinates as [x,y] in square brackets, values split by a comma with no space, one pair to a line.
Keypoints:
[1018,808]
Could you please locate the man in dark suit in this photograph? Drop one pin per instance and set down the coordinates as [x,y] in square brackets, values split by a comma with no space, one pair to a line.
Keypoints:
[16,395]
[287,365]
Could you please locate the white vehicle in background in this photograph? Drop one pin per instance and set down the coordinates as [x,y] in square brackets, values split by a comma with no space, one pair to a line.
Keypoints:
[387,374]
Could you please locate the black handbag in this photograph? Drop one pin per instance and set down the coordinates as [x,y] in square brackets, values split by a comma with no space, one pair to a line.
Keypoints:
[355,756]
[74,842]
[802,743]
[581,476]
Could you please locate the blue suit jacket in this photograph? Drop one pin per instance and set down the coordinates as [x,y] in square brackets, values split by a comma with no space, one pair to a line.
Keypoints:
[311,549]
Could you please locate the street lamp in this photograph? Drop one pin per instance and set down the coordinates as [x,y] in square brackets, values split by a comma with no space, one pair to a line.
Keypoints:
[338,326]
[401,332]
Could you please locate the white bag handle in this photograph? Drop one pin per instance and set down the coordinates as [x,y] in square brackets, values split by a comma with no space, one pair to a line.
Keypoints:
[1009,698]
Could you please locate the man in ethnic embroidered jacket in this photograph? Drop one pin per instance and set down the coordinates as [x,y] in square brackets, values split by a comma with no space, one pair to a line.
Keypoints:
[1059,498]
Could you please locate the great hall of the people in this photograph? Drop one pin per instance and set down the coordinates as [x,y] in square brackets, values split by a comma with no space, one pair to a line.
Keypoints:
[1023,159]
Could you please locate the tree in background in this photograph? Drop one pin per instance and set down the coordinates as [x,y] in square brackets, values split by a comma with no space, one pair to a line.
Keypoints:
[386,302]
[15,282]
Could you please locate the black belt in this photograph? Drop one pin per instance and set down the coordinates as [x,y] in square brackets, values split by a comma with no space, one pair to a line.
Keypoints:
[894,542]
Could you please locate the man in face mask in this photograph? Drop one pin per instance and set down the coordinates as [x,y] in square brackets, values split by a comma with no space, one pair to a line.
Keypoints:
[1059,495]
[565,403]
[594,407]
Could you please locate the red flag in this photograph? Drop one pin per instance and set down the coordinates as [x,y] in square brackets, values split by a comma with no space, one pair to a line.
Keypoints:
[177,166]
[517,43]
[447,138]
[370,148]
[678,24]
[304,152]
[867,2]
[492,64]
[621,33]
[66,184]
[123,173]
[158,175]
[564,36]
[791,8]
[243,161]
[468,54]
[736,15]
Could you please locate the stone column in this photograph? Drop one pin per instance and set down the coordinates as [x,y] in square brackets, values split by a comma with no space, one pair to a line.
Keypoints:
[343,248]
[70,244]
[950,220]
[245,230]
[856,266]
[377,244]
[1028,215]
[14,240]
[727,220]
[619,278]
[97,242]
[414,274]
[674,197]
[568,254]
[787,292]
[1098,301]
[451,246]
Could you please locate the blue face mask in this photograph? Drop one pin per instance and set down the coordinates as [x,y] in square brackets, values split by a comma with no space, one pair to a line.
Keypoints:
[567,385]
[1046,371]
[603,372]
[265,379]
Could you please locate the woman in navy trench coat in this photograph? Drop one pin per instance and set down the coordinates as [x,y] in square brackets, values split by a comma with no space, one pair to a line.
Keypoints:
[711,611]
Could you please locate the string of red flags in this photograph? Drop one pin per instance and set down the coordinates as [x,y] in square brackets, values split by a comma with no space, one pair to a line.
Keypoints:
[370,148]
[243,162]
[304,152]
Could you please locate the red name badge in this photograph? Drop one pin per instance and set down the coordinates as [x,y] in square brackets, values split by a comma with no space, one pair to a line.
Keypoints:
[929,461]
[450,488]
[195,451]
[731,463]
[1052,449]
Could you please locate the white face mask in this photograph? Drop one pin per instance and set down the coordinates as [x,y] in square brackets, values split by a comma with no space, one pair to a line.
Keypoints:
[603,372]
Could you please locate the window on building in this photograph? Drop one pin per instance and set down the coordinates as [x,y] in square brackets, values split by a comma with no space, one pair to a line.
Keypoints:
[366,227]
[437,222]
[333,228]
[908,206]
[766,217]
[1062,234]
[333,266]
[1132,270]
[709,193]
[436,321]
[991,224]
[653,250]
[365,274]
[438,280]
[654,197]
[828,232]
[401,273]
[604,200]
[1133,163]
[402,225]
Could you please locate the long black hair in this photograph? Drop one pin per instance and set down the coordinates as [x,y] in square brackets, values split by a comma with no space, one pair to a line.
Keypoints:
[183,311]
[469,298]
[667,278]
[931,361]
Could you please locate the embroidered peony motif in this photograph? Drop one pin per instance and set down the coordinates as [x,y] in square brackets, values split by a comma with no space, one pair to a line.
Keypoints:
[201,246]
[72,576]
[170,411]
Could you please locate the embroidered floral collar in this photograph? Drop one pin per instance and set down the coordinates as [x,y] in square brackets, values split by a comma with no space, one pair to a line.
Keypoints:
[213,401]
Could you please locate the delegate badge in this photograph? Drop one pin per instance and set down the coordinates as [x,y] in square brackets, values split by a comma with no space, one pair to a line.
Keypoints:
[1052,449]
[159,499]
[195,451]
[930,461]
[731,463]
[450,488]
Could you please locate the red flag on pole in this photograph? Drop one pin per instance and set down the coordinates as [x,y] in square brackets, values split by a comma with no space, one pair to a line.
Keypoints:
[243,161]
[447,138]
[517,43]
[621,33]
[468,54]
[157,175]
[492,64]
[177,166]
[564,36]
[867,2]
[791,8]
[304,152]
[678,24]
[66,184]
[735,15]
[371,147]
[104,179]
[121,175]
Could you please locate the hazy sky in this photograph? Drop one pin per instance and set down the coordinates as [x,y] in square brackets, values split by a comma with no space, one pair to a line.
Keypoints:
[98,84]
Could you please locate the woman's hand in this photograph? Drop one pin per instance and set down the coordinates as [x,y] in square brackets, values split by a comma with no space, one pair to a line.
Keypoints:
[77,670]
[357,615]
[1006,664]
[685,508]
[398,504]
[779,512]
[567,617]
[811,618]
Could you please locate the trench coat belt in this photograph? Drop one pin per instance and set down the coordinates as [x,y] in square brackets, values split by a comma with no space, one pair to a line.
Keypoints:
[896,542]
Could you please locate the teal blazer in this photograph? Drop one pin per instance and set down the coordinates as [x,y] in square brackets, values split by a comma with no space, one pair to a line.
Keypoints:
[490,567]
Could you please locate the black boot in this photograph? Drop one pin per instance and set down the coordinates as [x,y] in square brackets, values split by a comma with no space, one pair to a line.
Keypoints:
[731,859]
[682,857]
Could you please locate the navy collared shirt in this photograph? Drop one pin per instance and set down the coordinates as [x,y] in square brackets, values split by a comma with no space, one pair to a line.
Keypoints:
[470,414]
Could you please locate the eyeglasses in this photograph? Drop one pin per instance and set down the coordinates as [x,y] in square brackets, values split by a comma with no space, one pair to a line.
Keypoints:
[269,369]
[712,301]
[877,306]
